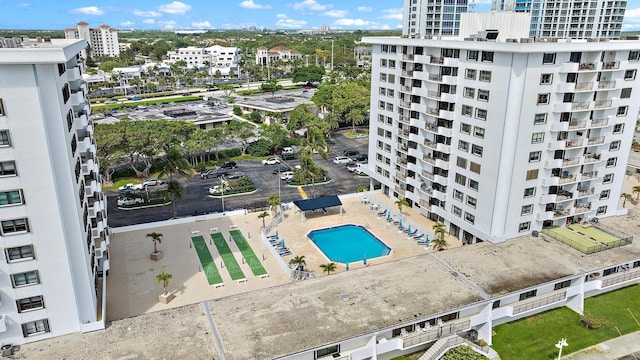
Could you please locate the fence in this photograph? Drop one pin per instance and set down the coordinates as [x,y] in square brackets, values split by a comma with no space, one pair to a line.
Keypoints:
[539,303]
[574,244]
[612,280]
[625,239]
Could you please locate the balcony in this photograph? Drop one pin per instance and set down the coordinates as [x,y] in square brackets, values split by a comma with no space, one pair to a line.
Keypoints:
[445,131]
[440,179]
[77,98]
[568,179]
[400,176]
[431,127]
[584,86]
[599,122]
[415,138]
[96,207]
[404,119]
[574,143]
[553,163]
[405,88]
[587,67]
[550,181]
[421,108]
[560,213]
[427,175]
[437,60]
[569,67]
[576,125]
[610,65]
[423,203]
[443,148]
[591,158]
[435,77]
[439,195]
[606,85]
[591,175]
[405,104]
[91,188]
[571,162]
[602,104]
[432,111]
[73,74]
[403,134]
[422,59]
[596,141]
[407,73]
[432,94]
[407,57]
[428,159]
[399,190]
[430,144]
[542,216]
[577,106]
[582,192]
[442,164]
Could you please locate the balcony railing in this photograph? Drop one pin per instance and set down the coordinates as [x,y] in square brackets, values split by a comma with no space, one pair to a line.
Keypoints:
[407,72]
[572,161]
[429,159]
[589,175]
[606,85]
[574,124]
[437,60]
[602,104]
[433,94]
[404,119]
[587,66]
[611,65]
[433,111]
[406,88]
[405,104]
[431,126]
[431,144]
[408,57]
[596,141]
[585,192]
[427,175]
[584,86]
[435,77]
[599,122]
[580,105]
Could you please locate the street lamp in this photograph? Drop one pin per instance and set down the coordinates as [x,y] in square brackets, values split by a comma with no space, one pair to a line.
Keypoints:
[222,188]
[562,343]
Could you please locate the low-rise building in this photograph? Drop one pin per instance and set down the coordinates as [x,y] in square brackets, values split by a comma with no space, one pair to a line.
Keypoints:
[265,56]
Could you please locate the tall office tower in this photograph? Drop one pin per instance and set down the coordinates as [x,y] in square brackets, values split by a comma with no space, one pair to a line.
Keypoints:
[53,232]
[103,40]
[500,138]
[424,18]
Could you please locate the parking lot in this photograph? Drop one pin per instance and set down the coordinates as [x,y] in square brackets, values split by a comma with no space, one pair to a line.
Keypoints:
[197,201]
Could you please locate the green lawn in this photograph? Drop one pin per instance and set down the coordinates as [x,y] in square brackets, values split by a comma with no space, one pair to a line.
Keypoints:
[535,337]
[573,239]
[595,233]
[208,265]
[247,252]
[227,256]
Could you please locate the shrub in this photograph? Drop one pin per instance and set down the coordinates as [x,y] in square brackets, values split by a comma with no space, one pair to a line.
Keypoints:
[123,173]
[592,322]
[260,147]
[255,117]
[237,111]
[229,153]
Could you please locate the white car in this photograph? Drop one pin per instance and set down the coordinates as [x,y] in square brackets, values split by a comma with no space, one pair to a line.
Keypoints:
[132,187]
[271,161]
[341,160]
[130,201]
[286,175]
[355,168]
[152,182]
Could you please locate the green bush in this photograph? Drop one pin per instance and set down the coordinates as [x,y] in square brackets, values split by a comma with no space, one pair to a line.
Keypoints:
[237,111]
[592,322]
[255,117]
[123,173]
[260,147]
[229,153]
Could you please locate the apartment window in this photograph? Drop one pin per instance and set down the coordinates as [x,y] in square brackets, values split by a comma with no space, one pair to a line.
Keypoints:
[476,150]
[549,58]
[487,56]
[618,128]
[391,78]
[460,179]
[540,119]
[608,178]
[474,184]
[335,349]
[543,99]
[390,93]
[469,92]
[532,174]
[467,110]
[546,79]
[485,75]
[470,74]
[525,226]
[74,145]
[469,217]
[4,138]
[471,201]
[474,167]
[465,128]
[604,194]
[30,303]
[383,62]
[392,64]
[634,55]
[481,114]
[534,156]
[483,95]
[383,77]
[13,197]
[458,195]
[456,211]
[2,108]
[389,107]
[19,253]
[35,327]
[622,111]
[478,131]
[526,210]
[562,285]
[381,105]
[612,161]
[14,226]
[8,168]
[61,69]
[529,192]
[601,210]
[528,294]
[382,91]
[66,93]
[472,55]
[614,146]
[537,138]
[25,278]
[463,145]
[625,93]
[461,162]
[630,74]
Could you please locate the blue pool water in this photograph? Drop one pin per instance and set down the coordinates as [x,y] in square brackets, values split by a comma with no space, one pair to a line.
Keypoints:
[348,243]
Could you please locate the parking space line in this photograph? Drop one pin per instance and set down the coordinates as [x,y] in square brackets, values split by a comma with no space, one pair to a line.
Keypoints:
[302,193]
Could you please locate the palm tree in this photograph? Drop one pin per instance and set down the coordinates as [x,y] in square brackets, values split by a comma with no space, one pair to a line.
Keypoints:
[300,262]
[176,190]
[175,163]
[636,190]
[263,215]
[328,268]
[164,278]
[626,197]
[156,238]
[274,201]
[439,243]
[401,202]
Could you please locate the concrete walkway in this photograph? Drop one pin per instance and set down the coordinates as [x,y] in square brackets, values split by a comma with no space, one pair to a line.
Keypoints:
[610,350]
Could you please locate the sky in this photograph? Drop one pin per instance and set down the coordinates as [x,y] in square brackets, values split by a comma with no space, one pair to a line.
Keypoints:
[222,14]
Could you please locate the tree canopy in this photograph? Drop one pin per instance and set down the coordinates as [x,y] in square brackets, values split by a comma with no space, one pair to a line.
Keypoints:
[307,74]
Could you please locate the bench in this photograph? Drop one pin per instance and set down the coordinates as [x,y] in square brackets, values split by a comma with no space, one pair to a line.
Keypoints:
[242,280]
[213,229]
[218,285]
[264,276]
[233,226]
[195,232]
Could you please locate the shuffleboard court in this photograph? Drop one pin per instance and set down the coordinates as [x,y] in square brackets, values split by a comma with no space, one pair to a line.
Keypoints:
[570,235]
[247,252]
[595,233]
[208,265]
[227,256]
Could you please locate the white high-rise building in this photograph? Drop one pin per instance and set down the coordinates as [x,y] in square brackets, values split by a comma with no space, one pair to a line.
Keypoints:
[53,227]
[500,138]
[102,40]
[432,18]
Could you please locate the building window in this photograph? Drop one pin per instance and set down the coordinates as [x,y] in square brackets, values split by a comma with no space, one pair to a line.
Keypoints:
[456,211]
[8,168]
[461,162]
[35,327]
[13,197]
[66,93]
[14,226]
[474,167]
[469,92]
[601,210]
[525,226]
[61,69]
[634,55]
[485,75]
[467,110]
[463,145]
[460,179]
[19,253]
[528,294]
[546,79]
[4,138]
[537,138]
[481,114]
[471,201]
[487,56]
[614,146]
[549,58]
[607,179]
[534,156]
[540,119]
[622,111]
[612,161]
[465,128]
[470,74]
[25,278]
[618,128]
[2,113]
[604,194]
[382,91]
[476,150]
[529,192]
[383,77]
[30,303]
[472,55]
[392,64]
[630,74]
[478,131]
[469,217]
[543,99]
[562,285]
[532,174]
[69,120]
[458,195]
[625,93]
[474,184]
[483,95]
[383,62]
[335,349]
[526,210]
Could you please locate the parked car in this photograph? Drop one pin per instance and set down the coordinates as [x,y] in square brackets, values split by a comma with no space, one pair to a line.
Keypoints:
[271,161]
[130,201]
[217,189]
[354,168]
[131,187]
[152,182]
[281,169]
[286,175]
[229,165]
[341,160]
[235,175]
[361,158]
[288,156]
[213,173]
[350,152]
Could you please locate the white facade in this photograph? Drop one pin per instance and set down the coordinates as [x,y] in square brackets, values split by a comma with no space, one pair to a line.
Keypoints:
[430,18]
[103,40]
[265,56]
[219,58]
[498,139]
[52,211]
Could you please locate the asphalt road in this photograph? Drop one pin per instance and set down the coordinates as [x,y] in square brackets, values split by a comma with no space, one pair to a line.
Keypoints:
[196,200]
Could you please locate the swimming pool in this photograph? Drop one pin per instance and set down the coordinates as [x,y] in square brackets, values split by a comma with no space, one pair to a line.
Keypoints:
[348,243]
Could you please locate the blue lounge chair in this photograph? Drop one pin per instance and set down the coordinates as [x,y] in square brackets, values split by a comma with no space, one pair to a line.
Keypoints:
[415,231]
[382,213]
[285,253]
[418,237]
[421,242]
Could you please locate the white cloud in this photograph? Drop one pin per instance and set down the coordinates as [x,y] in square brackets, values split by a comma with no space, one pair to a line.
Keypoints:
[201,24]
[23,5]
[167,24]
[250,4]
[149,21]
[311,5]
[175,7]
[352,22]
[285,22]
[395,14]
[631,20]
[365,8]
[336,13]
[146,13]
[88,10]
[127,24]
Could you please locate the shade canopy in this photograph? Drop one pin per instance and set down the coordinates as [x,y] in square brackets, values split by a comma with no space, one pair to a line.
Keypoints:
[318,203]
